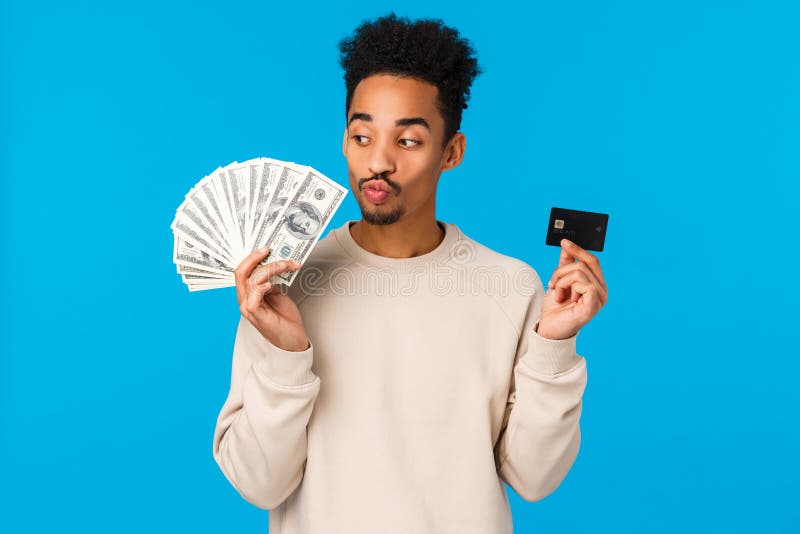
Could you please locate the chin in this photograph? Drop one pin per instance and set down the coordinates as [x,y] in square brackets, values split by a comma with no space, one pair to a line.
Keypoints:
[381,217]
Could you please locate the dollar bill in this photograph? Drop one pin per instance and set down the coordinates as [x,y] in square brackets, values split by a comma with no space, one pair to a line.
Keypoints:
[186,253]
[244,206]
[302,222]
[204,197]
[191,216]
[288,181]
[264,188]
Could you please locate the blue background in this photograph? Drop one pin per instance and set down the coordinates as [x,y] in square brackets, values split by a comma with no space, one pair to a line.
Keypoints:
[679,119]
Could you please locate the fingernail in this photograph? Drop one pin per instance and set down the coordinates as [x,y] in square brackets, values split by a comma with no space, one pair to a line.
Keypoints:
[264,249]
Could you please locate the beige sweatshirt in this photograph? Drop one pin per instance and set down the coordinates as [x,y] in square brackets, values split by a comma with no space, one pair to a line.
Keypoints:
[424,390]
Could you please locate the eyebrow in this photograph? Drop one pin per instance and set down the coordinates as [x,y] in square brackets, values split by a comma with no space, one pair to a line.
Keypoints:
[412,120]
[399,122]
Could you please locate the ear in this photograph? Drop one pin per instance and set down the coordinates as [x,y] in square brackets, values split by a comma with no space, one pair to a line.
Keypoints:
[454,151]
[344,142]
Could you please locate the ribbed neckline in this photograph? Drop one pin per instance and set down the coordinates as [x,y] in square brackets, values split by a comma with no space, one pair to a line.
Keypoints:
[438,255]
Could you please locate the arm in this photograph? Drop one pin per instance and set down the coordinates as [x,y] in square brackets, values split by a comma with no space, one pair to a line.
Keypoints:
[260,436]
[540,435]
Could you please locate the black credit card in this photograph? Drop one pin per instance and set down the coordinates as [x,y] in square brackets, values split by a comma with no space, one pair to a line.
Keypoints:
[585,228]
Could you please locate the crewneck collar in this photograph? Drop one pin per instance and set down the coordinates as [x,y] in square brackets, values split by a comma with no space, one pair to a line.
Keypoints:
[438,255]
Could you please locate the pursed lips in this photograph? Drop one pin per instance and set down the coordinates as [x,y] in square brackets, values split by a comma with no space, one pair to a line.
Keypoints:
[379,185]
[376,191]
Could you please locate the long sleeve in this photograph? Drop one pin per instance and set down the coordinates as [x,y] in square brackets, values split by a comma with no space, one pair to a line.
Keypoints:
[260,440]
[540,436]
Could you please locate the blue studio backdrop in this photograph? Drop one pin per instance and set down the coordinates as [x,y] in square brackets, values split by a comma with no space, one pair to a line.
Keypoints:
[679,119]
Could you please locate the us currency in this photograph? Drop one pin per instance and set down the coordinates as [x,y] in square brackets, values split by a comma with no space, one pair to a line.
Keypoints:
[302,222]
[216,190]
[188,232]
[238,178]
[188,214]
[214,226]
[262,194]
[194,287]
[189,258]
[289,180]
[204,280]
[226,196]
[199,280]
[243,206]
[191,272]
[206,192]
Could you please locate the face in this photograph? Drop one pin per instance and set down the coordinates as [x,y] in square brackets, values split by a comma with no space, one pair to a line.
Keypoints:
[393,145]
[303,222]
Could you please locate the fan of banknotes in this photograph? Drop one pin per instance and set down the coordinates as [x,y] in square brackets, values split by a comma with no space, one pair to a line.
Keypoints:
[244,206]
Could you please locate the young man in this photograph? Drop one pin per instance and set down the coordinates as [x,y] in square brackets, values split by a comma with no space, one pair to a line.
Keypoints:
[409,371]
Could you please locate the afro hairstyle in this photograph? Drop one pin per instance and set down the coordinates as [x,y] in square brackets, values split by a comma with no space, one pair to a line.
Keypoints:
[423,49]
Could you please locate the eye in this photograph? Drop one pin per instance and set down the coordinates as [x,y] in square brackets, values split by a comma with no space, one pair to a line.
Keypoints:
[408,143]
[360,139]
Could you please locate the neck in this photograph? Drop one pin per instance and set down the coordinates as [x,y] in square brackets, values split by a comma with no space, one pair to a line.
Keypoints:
[406,238]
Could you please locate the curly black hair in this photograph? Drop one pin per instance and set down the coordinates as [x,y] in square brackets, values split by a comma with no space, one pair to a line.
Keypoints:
[424,49]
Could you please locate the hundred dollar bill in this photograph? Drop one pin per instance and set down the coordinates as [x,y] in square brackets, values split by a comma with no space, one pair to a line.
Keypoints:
[187,231]
[287,183]
[193,271]
[195,287]
[206,280]
[238,178]
[242,206]
[190,215]
[188,255]
[262,194]
[203,195]
[248,173]
[302,222]
[229,211]
[211,195]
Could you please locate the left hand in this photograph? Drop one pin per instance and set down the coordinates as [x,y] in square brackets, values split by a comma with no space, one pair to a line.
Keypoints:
[576,292]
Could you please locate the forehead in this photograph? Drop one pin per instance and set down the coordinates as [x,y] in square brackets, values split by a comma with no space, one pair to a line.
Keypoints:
[388,98]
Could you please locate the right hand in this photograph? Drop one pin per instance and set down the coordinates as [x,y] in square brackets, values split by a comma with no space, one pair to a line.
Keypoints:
[272,312]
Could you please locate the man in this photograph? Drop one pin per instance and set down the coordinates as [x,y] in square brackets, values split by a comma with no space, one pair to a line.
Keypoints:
[357,408]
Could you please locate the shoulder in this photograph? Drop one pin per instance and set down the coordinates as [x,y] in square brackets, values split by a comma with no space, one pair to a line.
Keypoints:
[479,258]
[513,284]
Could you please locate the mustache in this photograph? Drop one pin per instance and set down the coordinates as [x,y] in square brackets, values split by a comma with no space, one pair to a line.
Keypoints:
[391,183]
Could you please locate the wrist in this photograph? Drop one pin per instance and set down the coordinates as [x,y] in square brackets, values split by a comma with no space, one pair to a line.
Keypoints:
[298,348]
[550,334]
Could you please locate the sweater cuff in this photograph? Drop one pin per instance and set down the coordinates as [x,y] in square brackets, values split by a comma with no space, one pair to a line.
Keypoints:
[286,367]
[551,356]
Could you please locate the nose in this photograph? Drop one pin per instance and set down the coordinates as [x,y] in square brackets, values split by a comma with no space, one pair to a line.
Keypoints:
[381,159]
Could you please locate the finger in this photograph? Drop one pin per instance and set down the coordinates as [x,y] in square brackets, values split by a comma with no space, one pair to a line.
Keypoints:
[576,290]
[264,272]
[255,299]
[581,267]
[570,251]
[245,267]
[564,284]
[259,287]
[588,277]
[565,269]
[570,278]
[565,258]
[587,299]
[258,280]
